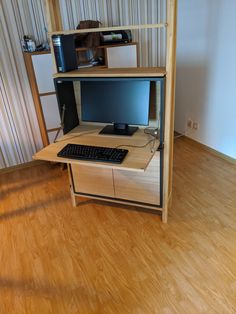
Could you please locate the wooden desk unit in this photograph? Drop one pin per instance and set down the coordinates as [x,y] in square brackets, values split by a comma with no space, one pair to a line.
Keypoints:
[145,177]
[136,181]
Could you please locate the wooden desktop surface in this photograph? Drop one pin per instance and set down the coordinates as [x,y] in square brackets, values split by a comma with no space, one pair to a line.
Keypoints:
[137,158]
[101,71]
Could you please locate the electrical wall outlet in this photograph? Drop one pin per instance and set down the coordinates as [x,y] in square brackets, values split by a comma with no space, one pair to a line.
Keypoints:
[190,123]
[195,125]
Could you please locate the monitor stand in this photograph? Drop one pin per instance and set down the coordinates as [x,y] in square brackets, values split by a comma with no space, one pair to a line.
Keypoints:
[119,129]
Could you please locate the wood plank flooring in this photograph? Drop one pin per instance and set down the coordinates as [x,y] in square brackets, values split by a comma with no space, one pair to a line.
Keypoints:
[99,258]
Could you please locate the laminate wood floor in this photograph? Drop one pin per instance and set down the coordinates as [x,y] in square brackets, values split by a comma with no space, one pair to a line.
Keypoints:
[99,258]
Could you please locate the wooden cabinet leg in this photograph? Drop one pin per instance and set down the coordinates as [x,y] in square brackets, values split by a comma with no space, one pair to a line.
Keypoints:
[164,215]
[166,207]
[73,197]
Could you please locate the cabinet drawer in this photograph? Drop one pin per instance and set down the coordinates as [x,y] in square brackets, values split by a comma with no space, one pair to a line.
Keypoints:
[93,180]
[141,187]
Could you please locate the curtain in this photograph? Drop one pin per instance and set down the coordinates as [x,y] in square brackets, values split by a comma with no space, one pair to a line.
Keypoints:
[19,132]
[123,12]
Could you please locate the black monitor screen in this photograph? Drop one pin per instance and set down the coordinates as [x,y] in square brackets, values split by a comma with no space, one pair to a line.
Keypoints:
[117,101]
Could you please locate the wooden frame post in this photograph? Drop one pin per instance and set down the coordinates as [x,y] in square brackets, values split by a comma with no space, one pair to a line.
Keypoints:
[53,15]
[169,104]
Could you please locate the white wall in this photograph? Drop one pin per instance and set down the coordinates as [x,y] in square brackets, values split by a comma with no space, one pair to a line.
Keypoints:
[206,72]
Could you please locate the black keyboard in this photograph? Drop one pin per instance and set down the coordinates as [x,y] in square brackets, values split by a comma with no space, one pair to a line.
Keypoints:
[93,153]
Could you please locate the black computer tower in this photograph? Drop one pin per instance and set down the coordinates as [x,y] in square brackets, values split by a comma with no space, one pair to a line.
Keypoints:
[65,53]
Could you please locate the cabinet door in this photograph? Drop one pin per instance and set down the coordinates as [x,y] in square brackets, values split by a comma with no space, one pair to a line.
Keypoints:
[140,187]
[122,57]
[43,70]
[93,180]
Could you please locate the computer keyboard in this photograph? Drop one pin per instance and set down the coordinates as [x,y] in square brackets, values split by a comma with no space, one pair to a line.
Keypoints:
[93,153]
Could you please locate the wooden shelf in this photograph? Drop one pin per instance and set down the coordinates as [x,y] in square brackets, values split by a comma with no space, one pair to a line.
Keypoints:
[78,49]
[28,53]
[98,71]
[136,160]
[112,28]
[102,51]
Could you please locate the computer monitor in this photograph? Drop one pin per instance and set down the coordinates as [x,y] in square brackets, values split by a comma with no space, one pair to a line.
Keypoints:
[121,102]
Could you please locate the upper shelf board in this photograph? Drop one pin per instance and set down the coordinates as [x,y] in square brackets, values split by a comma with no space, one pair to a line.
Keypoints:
[118,72]
[112,28]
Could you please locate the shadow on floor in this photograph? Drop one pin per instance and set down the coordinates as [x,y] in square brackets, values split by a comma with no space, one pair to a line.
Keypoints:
[29,287]
[120,206]
[40,205]
[28,184]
